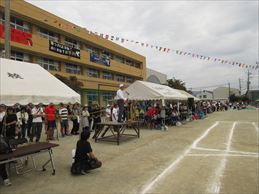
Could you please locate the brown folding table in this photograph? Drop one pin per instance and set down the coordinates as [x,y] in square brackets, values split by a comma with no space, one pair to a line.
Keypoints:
[118,130]
[31,150]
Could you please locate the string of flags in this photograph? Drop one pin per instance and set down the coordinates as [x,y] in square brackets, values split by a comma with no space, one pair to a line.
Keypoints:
[156,47]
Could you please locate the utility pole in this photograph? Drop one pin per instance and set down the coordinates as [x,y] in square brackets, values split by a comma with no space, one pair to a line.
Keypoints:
[7,36]
[248,81]
[239,80]
[228,91]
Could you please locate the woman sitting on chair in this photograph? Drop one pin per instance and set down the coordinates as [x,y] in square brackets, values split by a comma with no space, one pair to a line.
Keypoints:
[85,159]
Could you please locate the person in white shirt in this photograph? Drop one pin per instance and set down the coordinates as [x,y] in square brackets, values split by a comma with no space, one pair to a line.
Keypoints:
[108,113]
[22,117]
[115,113]
[37,114]
[2,114]
[120,101]
[84,121]
[63,116]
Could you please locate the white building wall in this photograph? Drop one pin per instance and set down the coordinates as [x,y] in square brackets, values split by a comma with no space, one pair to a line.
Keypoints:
[156,77]
[222,93]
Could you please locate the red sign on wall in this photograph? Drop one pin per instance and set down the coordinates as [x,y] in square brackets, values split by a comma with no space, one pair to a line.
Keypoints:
[18,36]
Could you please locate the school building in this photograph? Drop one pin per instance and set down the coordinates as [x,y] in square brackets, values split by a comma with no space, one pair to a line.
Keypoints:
[65,49]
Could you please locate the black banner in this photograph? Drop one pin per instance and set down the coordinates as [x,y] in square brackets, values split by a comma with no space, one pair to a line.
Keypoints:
[63,49]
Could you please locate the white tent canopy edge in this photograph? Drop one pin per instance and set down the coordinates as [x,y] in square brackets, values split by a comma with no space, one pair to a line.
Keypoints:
[23,83]
[141,90]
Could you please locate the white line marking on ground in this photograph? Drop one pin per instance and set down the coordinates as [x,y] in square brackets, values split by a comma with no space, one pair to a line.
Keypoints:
[224,151]
[219,172]
[150,185]
[256,127]
[240,122]
[194,145]
[225,155]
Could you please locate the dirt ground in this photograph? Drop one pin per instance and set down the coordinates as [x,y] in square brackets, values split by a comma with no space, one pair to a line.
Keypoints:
[216,155]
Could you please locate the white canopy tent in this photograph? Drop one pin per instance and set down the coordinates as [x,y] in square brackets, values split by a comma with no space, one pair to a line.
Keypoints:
[141,90]
[23,83]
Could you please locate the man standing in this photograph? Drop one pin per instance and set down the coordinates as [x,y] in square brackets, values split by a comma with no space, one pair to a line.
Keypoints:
[50,112]
[37,114]
[120,101]
[63,114]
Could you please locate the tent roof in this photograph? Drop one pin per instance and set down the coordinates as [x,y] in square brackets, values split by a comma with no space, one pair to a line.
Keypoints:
[23,83]
[141,90]
[188,95]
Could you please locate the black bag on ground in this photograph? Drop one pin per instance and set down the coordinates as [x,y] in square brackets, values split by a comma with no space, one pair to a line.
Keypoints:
[75,168]
[4,146]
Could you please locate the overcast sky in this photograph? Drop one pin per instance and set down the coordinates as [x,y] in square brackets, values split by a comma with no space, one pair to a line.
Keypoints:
[227,30]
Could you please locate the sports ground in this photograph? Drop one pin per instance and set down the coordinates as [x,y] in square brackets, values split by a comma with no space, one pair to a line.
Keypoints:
[216,155]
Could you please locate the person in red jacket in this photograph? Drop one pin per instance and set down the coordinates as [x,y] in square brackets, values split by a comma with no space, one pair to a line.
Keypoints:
[50,112]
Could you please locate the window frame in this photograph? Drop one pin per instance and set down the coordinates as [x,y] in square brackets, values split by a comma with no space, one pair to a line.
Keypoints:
[93,73]
[14,56]
[107,77]
[48,34]
[69,69]
[49,64]
[71,43]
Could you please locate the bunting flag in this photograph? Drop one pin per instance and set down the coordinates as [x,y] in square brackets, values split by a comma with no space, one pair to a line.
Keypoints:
[158,48]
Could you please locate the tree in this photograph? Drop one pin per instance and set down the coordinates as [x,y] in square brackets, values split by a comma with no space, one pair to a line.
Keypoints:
[71,82]
[176,84]
[234,98]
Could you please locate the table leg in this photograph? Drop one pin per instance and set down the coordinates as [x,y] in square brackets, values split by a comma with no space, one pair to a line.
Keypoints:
[118,135]
[51,161]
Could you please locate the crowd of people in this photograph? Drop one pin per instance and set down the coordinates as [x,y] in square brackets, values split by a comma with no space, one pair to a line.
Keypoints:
[27,122]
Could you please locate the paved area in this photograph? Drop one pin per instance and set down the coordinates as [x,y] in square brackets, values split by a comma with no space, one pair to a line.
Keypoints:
[215,155]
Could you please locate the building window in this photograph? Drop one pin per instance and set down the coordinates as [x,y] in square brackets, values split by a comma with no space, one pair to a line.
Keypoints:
[137,65]
[72,43]
[92,49]
[73,69]
[49,64]
[107,54]
[118,59]
[107,75]
[108,96]
[130,80]
[19,24]
[130,63]
[18,56]
[204,96]
[16,23]
[48,34]
[120,78]
[93,73]
[92,97]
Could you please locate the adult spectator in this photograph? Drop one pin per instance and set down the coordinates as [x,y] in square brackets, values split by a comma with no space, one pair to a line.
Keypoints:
[10,121]
[115,112]
[2,115]
[84,157]
[120,101]
[75,119]
[50,112]
[30,118]
[63,116]
[37,114]
[108,113]
[96,115]
[84,122]
[4,175]
[22,117]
